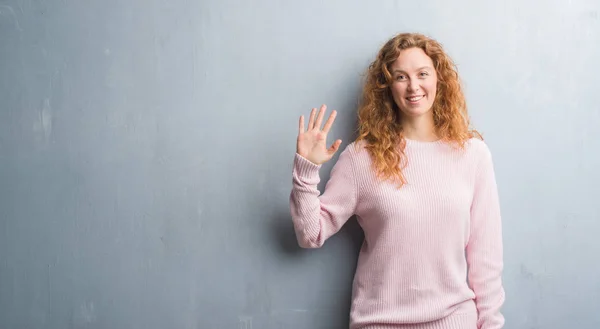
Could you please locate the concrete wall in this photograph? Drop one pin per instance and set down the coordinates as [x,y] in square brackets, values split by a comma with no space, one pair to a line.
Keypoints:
[146,150]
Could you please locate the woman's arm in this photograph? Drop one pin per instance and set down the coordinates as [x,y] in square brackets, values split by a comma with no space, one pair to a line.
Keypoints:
[316,218]
[484,249]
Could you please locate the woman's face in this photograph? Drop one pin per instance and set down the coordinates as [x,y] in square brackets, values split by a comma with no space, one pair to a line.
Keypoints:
[414,82]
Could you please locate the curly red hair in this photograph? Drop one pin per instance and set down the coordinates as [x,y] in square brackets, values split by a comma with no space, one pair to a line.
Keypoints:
[379,117]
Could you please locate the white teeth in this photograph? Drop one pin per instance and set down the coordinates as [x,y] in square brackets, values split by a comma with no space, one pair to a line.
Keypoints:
[415,98]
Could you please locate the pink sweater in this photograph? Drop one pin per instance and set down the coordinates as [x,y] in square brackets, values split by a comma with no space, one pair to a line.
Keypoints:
[419,240]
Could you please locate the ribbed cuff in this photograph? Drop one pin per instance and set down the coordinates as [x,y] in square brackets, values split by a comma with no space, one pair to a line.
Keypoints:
[454,321]
[305,168]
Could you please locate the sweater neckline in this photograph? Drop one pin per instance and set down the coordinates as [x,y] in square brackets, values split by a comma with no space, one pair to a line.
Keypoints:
[416,142]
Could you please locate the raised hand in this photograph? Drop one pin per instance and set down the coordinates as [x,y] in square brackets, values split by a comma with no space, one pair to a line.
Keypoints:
[311,143]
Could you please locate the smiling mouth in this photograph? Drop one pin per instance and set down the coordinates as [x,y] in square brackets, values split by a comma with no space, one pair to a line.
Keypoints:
[415,98]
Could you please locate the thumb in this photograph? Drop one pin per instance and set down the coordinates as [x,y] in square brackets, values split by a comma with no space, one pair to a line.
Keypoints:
[335,147]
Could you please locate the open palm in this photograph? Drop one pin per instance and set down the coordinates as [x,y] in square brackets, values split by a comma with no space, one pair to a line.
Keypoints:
[312,142]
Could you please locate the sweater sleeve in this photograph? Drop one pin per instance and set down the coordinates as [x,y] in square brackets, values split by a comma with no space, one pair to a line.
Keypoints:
[484,249]
[317,217]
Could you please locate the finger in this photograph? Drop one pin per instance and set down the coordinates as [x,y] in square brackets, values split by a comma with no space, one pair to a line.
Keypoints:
[311,120]
[329,122]
[335,146]
[320,117]
[301,125]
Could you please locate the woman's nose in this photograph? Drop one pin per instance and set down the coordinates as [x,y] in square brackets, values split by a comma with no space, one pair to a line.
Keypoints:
[413,86]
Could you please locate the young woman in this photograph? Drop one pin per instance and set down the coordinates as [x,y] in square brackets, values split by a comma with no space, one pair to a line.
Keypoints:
[423,188]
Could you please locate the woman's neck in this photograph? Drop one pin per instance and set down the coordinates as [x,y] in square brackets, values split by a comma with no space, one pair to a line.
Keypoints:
[420,129]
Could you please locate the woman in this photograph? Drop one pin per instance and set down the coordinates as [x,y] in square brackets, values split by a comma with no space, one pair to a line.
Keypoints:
[422,186]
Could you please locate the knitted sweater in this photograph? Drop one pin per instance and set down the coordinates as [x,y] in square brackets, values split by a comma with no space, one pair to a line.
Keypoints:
[432,254]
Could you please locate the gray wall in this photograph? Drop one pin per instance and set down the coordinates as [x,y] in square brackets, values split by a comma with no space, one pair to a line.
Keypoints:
[146,151]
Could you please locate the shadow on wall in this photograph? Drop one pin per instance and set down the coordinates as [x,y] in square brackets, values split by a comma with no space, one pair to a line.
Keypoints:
[283,233]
